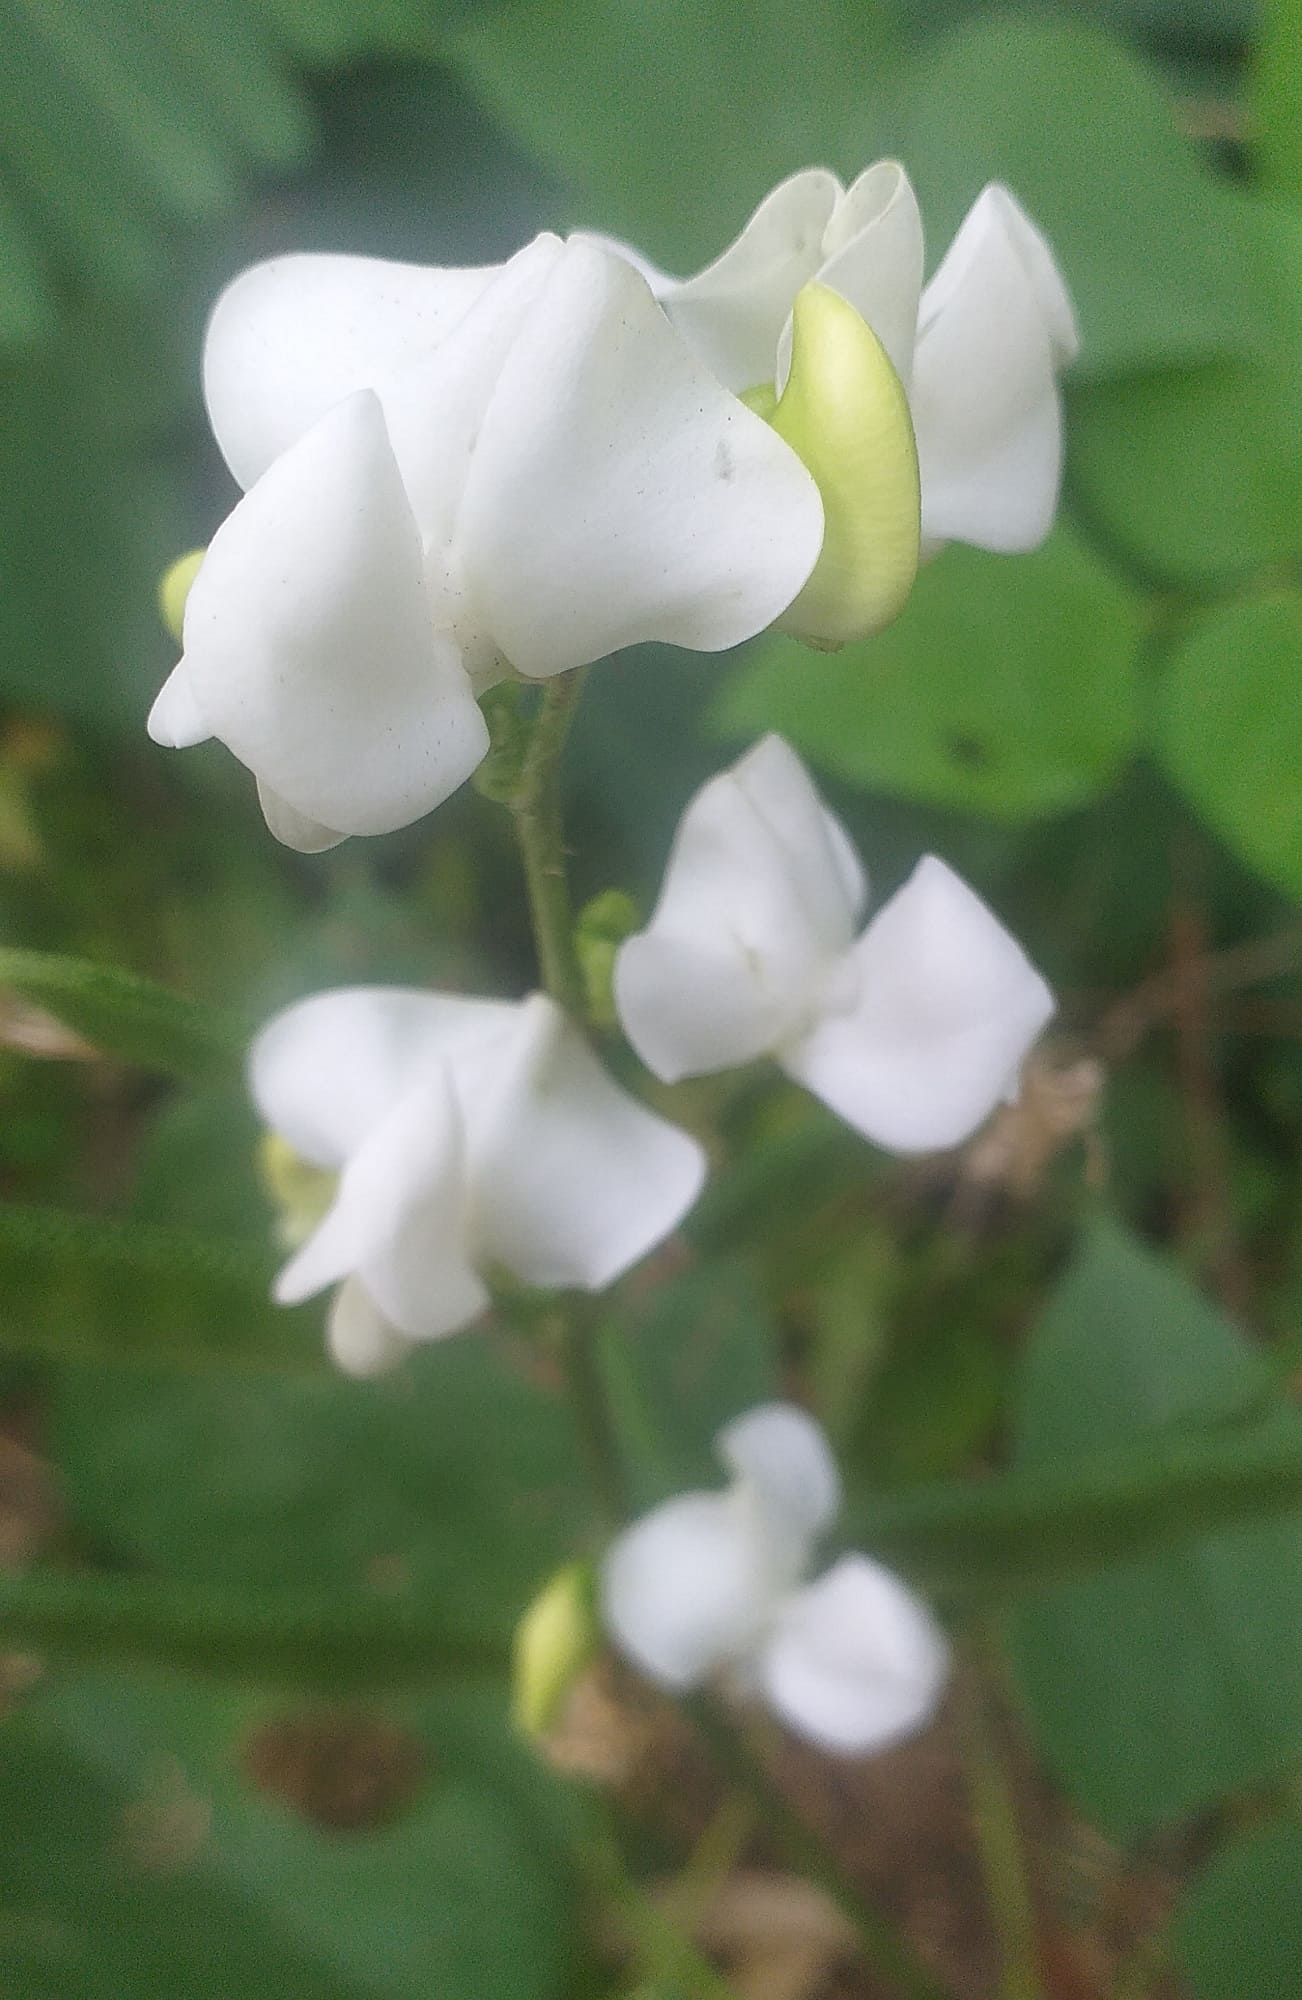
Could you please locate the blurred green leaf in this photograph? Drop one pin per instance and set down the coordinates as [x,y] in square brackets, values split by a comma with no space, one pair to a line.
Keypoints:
[1238,1929]
[141,1862]
[1170,1679]
[1277,145]
[1228,726]
[1156,251]
[104,1290]
[1007,686]
[451,1481]
[126,1016]
[694,1353]
[672,120]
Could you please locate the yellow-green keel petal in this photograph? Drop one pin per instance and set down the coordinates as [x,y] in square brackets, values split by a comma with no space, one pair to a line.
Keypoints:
[846,416]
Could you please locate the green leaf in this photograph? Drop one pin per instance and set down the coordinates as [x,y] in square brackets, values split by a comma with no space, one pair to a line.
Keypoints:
[451,1482]
[126,1016]
[1158,1685]
[1228,724]
[1238,1930]
[1155,251]
[589,87]
[1006,687]
[1278,133]
[1191,475]
[698,1351]
[141,1862]
[96,1289]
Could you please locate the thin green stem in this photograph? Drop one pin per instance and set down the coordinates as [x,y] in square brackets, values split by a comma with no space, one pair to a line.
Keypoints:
[880,1942]
[536,809]
[580,1328]
[999,1841]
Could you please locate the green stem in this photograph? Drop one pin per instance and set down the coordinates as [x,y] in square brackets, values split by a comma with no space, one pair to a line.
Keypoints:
[536,809]
[999,1842]
[580,1330]
[881,1944]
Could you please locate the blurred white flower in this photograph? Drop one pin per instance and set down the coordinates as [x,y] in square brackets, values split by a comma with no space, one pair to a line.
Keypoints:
[713,1584]
[453,474]
[467,1135]
[912,1031]
[978,350]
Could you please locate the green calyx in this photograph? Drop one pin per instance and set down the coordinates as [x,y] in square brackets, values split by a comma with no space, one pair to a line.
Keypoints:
[845,415]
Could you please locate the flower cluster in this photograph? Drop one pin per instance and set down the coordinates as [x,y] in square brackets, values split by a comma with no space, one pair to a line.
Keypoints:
[456,475]
[713,1584]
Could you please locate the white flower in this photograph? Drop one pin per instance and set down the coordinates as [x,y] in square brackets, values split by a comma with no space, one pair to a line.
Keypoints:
[713,1583]
[912,1031]
[978,350]
[452,474]
[467,1134]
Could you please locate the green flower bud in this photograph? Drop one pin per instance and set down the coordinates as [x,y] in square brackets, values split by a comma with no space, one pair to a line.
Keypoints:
[174,588]
[603,925]
[846,416]
[554,1641]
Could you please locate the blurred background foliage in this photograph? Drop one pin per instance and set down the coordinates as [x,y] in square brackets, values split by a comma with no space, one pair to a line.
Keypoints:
[1103,737]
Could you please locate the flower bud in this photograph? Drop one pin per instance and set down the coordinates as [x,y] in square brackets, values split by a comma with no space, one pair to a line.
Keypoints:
[554,1641]
[604,923]
[174,588]
[845,414]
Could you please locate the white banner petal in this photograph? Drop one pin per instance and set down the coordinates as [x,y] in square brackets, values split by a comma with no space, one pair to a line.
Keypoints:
[685,1591]
[290,338]
[575,1180]
[329,1069]
[855,1662]
[617,493]
[932,1014]
[784,1456]
[308,640]
[733,312]
[762,889]
[995,326]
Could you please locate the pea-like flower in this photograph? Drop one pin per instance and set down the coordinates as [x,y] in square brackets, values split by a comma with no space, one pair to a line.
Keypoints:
[912,1030]
[468,1136]
[978,350]
[713,1585]
[452,475]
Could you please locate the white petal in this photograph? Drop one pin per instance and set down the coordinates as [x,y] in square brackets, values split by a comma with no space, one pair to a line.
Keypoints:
[360,1339]
[434,406]
[994,328]
[686,1591]
[783,1455]
[937,1005]
[873,257]
[617,493]
[733,312]
[176,719]
[290,338]
[856,1661]
[400,1221]
[326,1071]
[661,282]
[761,891]
[307,836]
[574,1179]
[308,640]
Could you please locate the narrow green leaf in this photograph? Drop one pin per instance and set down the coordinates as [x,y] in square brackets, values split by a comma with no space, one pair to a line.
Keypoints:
[337,1641]
[90,1288]
[126,1016]
[1228,726]
[1029,1529]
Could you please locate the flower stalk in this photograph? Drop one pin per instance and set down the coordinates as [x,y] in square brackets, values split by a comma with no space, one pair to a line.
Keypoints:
[536,810]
